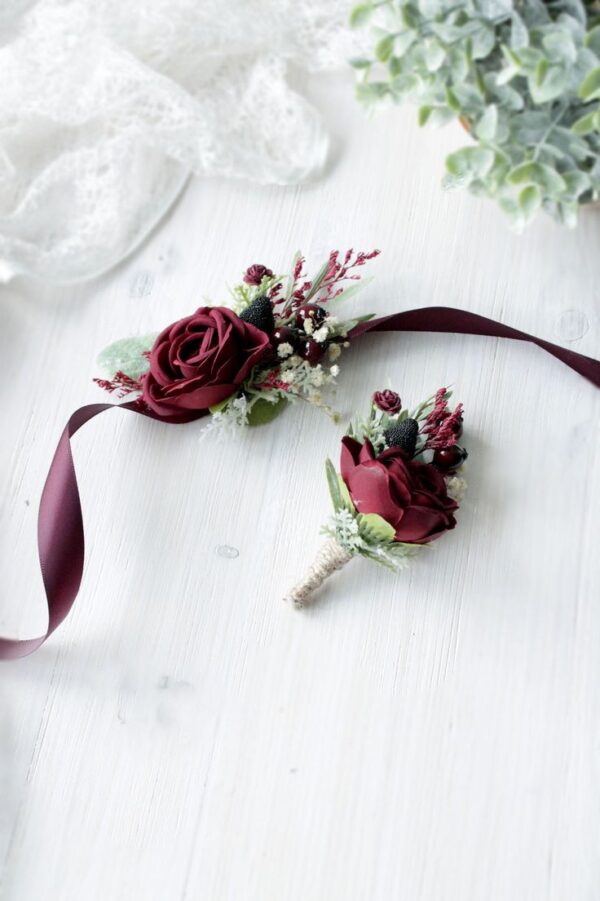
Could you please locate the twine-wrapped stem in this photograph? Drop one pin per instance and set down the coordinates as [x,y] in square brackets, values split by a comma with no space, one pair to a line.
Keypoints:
[330,557]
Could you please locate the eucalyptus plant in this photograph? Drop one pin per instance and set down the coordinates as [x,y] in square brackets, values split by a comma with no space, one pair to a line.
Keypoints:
[523,78]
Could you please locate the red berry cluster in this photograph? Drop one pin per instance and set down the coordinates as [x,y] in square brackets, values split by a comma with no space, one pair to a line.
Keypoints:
[296,336]
[443,429]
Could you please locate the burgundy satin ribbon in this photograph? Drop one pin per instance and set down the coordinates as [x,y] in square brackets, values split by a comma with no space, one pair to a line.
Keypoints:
[60,521]
[448,319]
[60,530]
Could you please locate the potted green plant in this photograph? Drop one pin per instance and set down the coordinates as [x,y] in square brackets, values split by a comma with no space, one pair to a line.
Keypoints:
[522,76]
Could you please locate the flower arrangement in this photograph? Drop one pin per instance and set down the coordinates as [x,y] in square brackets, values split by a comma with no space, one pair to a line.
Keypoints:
[277,343]
[522,76]
[398,487]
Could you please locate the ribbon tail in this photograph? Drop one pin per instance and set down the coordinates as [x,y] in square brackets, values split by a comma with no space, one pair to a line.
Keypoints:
[61,543]
[460,322]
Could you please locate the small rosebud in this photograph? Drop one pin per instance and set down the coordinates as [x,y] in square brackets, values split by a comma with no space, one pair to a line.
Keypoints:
[255,274]
[387,401]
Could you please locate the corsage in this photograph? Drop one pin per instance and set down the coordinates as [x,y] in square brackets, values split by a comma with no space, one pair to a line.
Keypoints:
[278,342]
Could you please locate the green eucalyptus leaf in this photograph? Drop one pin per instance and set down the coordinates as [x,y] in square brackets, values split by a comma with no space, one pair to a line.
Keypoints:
[512,58]
[127,355]
[577,183]
[470,161]
[289,287]
[318,280]
[483,42]
[402,43]
[519,34]
[530,200]
[405,83]
[586,125]
[345,495]
[590,86]
[452,101]
[424,114]
[334,486]
[487,125]
[374,528]
[435,54]
[351,290]
[568,213]
[360,14]
[344,328]
[537,174]
[541,70]
[553,85]
[371,92]
[592,40]
[409,16]
[263,411]
[384,48]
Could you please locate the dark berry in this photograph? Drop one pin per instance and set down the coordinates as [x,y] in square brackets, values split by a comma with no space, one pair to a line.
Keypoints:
[312,351]
[403,435]
[260,314]
[449,458]
[310,311]
[284,335]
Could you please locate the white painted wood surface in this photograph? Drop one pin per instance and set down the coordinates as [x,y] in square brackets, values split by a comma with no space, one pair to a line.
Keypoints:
[430,737]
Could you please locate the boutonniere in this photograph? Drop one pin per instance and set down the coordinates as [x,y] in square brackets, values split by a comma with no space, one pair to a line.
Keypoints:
[398,488]
[277,342]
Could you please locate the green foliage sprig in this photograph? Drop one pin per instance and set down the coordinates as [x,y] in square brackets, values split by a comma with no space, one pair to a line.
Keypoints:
[523,76]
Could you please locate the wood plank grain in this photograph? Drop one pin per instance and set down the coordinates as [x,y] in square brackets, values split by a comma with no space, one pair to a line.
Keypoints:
[432,736]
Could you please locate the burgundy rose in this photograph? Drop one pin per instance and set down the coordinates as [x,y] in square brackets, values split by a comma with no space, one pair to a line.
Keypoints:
[200,361]
[411,496]
[387,401]
[255,274]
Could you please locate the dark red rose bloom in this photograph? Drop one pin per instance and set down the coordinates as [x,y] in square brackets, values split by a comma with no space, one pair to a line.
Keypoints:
[255,274]
[411,496]
[387,401]
[200,361]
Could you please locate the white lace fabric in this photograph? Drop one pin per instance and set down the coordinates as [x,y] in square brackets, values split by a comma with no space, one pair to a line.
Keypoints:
[106,107]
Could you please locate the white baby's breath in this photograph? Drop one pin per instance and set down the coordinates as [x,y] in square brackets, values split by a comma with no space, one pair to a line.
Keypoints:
[344,526]
[456,486]
[226,422]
